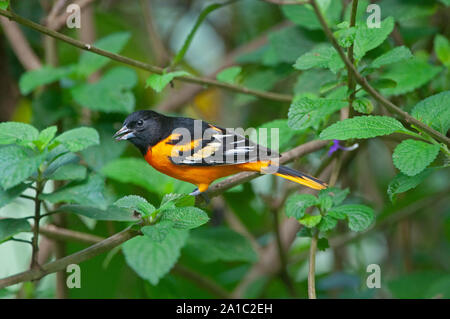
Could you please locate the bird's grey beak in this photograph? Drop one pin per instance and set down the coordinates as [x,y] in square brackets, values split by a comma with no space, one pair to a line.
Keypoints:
[124,134]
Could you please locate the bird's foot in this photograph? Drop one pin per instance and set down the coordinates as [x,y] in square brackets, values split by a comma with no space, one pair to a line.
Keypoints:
[205,197]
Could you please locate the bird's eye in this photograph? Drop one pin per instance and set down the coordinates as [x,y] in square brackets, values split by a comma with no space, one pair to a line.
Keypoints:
[140,123]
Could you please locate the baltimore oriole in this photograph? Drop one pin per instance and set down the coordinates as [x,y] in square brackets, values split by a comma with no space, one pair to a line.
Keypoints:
[199,152]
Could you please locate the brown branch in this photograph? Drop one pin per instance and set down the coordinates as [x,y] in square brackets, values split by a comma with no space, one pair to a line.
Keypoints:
[369,89]
[76,258]
[141,65]
[62,234]
[312,267]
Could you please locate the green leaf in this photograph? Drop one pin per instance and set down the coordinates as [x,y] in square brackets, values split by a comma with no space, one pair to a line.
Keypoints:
[345,37]
[409,75]
[68,172]
[4,4]
[442,49]
[159,81]
[325,203]
[112,93]
[90,62]
[158,232]
[434,111]
[411,157]
[327,223]
[109,213]
[305,16]
[305,232]
[152,260]
[306,112]
[78,139]
[395,55]
[229,75]
[322,244]
[7,196]
[17,133]
[12,226]
[367,38]
[45,75]
[185,217]
[360,217]
[446,2]
[45,137]
[219,244]
[287,44]
[362,127]
[297,204]
[138,172]
[310,220]
[177,200]
[323,56]
[402,183]
[17,164]
[337,195]
[137,203]
[363,105]
[88,192]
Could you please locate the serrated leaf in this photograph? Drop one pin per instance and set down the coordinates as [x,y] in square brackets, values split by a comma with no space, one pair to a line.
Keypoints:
[159,231]
[45,75]
[12,226]
[88,193]
[345,37]
[363,105]
[112,93]
[78,139]
[229,75]
[90,62]
[402,183]
[185,217]
[310,220]
[178,200]
[219,244]
[367,38]
[337,195]
[68,172]
[306,112]
[17,133]
[137,203]
[327,223]
[139,172]
[109,213]
[362,127]
[304,15]
[17,164]
[409,75]
[395,55]
[325,203]
[6,196]
[324,56]
[152,260]
[360,217]
[297,204]
[45,137]
[411,157]
[159,81]
[434,111]
[442,49]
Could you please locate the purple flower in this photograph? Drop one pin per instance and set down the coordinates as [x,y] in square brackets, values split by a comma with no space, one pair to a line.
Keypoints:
[336,146]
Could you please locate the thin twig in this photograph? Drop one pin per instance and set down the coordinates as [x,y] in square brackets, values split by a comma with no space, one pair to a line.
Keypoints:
[312,267]
[37,219]
[369,89]
[144,66]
